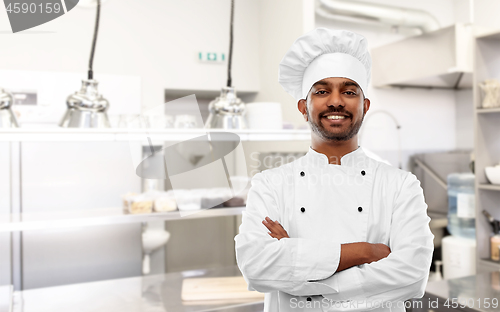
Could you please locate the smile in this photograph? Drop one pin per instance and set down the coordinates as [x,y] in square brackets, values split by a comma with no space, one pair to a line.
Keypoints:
[335,117]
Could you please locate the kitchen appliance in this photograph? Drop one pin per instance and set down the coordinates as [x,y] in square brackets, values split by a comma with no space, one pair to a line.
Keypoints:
[7,117]
[227,111]
[437,59]
[87,108]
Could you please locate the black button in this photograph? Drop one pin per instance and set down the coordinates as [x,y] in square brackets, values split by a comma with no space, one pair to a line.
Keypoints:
[363,172]
[309,299]
[302,209]
[302,173]
[360,209]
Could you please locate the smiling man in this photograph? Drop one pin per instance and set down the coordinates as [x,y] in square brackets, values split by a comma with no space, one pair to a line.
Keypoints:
[334,230]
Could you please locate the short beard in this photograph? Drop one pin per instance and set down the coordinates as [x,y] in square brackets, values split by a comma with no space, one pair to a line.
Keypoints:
[323,133]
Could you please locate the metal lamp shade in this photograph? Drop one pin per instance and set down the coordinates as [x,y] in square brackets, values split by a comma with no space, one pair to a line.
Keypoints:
[227,111]
[86,108]
[7,117]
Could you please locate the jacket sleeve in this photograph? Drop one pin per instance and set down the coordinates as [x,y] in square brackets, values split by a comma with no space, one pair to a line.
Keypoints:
[288,264]
[403,274]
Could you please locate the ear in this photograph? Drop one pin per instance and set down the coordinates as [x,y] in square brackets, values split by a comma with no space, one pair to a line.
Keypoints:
[302,106]
[366,105]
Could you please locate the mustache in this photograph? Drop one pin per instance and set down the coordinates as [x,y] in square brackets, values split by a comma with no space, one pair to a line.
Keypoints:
[337,110]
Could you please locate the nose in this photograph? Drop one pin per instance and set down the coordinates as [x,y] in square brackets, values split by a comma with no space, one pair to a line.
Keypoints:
[335,99]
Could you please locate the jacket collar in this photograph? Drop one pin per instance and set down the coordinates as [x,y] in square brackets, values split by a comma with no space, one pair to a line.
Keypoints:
[356,158]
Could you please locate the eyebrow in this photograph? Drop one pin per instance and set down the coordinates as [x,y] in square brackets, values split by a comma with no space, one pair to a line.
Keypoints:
[321,82]
[344,84]
[350,83]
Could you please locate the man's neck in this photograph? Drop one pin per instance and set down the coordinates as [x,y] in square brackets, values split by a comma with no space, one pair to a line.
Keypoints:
[334,150]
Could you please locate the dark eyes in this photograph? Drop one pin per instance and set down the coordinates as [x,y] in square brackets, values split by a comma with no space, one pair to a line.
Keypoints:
[322,92]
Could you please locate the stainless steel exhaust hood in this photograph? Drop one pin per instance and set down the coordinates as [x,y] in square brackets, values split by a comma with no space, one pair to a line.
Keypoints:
[437,59]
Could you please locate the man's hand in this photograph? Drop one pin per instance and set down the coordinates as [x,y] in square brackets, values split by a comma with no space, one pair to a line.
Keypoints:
[378,251]
[351,254]
[277,231]
[360,253]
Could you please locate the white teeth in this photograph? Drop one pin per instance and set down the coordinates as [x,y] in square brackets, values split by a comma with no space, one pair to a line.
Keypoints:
[335,117]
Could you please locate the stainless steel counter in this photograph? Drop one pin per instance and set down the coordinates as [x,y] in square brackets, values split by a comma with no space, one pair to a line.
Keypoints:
[162,293]
[155,293]
[471,293]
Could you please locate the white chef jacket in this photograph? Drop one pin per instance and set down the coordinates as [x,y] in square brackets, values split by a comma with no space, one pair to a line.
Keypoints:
[322,206]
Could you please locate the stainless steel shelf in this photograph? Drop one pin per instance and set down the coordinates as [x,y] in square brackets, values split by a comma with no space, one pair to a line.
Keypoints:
[115,215]
[489,265]
[489,261]
[488,186]
[118,134]
[488,110]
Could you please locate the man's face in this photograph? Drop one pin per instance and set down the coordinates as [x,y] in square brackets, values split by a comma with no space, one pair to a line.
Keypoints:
[335,108]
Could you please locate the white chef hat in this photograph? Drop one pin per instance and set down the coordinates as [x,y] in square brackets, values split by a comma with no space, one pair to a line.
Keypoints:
[324,53]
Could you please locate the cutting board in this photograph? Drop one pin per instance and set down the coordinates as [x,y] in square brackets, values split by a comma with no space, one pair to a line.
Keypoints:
[217,288]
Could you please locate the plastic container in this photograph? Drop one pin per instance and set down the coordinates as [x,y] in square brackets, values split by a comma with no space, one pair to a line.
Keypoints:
[140,204]
[461,205]
[165,202]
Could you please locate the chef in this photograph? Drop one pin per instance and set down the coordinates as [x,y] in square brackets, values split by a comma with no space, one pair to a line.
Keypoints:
[334,230]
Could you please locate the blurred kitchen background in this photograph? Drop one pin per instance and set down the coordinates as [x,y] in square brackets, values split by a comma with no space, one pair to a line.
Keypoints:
[74,211]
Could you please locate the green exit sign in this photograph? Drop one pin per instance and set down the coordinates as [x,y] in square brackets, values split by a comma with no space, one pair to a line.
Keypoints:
[212,57]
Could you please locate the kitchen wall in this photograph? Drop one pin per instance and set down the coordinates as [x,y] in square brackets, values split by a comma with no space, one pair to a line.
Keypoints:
[486,13]
[464,127]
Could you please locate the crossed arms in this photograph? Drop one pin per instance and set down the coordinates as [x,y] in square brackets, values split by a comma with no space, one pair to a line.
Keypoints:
[351,254]
[358,271]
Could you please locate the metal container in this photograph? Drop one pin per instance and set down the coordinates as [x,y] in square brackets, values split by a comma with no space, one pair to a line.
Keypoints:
[227,111]
[7,117]
[86,108]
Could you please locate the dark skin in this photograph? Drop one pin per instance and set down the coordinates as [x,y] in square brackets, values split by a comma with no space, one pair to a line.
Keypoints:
[341,97]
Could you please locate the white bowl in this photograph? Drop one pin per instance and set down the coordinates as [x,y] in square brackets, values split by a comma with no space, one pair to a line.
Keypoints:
[493,174]
[154,239]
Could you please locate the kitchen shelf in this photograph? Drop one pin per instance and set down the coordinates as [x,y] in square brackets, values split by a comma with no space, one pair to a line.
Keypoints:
[488,186]
[488,110]
[486,145]
[204,93]
[487,260]
[123,135]
[102,216]
[488,265]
